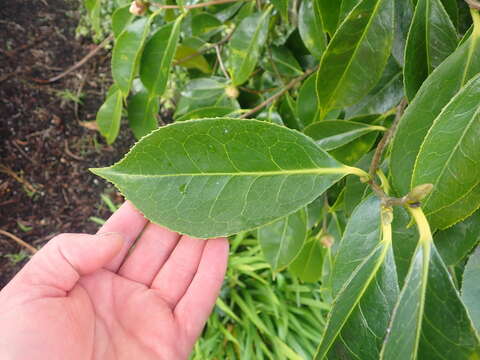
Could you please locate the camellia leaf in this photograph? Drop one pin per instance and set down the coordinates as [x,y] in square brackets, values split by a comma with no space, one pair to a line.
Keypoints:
[158,56]
[357,54]
[307,266]
[284,63]
[216,177]
[127,51]
[245,45]
[363,284]
[184,57]
[310,27]
[435,93]
[205,25]
[471,288]
[455,243]
[431,38]
[207,112]
[142,110]
[202,93]
[403,16]
[308,110]
[109,116]
[332,134]
[282,7]
[329,12]
[449,157]
[429,310]
[282,240]
[384,96]
[120,19]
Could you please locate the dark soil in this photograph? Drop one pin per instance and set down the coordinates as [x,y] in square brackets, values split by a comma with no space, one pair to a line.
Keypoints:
[45,146]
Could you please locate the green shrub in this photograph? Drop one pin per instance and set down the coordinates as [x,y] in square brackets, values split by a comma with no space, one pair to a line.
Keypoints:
[330,84]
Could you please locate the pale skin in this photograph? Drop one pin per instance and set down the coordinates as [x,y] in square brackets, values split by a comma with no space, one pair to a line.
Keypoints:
[97,297]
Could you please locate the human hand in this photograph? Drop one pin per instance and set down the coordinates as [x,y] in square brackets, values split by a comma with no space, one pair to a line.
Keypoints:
[82,297]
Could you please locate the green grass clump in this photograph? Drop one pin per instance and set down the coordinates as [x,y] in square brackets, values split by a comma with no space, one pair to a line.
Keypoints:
[261,315]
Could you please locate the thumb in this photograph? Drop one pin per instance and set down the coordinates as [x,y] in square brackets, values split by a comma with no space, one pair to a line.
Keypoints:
[61,262]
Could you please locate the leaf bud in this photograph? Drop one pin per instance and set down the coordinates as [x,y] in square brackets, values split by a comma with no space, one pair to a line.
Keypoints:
[232,92]
[138,8]
[327,240]
[418,193]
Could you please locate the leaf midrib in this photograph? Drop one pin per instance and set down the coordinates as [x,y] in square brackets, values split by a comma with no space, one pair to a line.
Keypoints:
[313,171]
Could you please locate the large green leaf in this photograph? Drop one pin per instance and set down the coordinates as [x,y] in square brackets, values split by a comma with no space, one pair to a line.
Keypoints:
[384,96]
[364,286]
[471,288]
[455,243]
[431,38]
[204,92]
[357,54]
[158,56]
[282,240]
[429,320]
[449,157]
[310,27]
[308,264]
[109,116]
[215,177]
[127,51]
[142,110]
[332,134]
[434,94]
[245,46]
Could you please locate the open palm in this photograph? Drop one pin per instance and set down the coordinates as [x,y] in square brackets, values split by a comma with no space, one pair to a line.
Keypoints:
[99,297]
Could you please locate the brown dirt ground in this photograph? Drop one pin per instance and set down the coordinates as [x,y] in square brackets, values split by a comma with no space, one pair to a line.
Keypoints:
[45,187]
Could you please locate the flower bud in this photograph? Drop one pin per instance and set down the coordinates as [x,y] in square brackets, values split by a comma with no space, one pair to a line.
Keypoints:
[138,8]
[232,92]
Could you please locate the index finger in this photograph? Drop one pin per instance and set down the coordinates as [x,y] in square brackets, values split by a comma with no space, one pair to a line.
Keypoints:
[128,222]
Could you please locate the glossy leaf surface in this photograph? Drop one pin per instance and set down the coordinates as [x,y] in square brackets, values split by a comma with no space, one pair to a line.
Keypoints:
[282,62]
[360,283]
[357,54]
[120,19]
[429,310]
[127,51]
[245,46]
[184,57]
[455,243]
[142,110]
[310,27]
[158,56]
[282,240]
[384,96]
[232,175]
[308,110]
[109,116]
[308,264]
[435,93]
[329,12]
[449,157]
[332,134]
[432,38]
[471,288]
[204,92]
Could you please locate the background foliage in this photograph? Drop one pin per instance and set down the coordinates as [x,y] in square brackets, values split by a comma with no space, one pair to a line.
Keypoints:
[330,83]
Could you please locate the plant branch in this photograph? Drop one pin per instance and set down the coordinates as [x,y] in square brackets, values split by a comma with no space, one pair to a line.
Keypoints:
[220,61]
[385,140]
[199,5]
[277,95]
[19,241]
